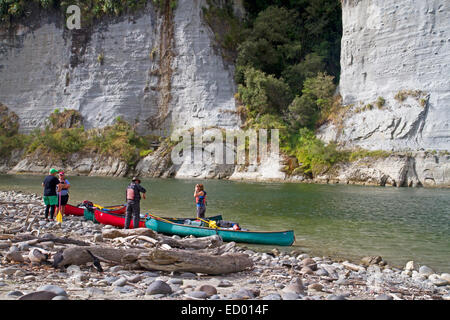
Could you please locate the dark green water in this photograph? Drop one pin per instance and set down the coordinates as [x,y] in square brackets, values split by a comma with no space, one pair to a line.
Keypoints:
[399,224]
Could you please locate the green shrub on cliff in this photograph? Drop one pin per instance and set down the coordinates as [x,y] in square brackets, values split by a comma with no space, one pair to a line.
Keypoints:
[229,31]
[61,142]
[90,9]
[10,138]
[118,140]
[313,155]
[64,135]
[374,154]
[264,93]
[315,102]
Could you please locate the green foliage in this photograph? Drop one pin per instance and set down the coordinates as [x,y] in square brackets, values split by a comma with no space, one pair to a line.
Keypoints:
[101,58]
[286,70]
[423,102]
[264,93]
[62,142]
[144,153]
[8,144]
[9,122]
[282,51]
[380,102]
[65,136]
[228,29]
[10,139]
[173,4]
[319,26]
[302,112]
[316,99]
[271,121]
[90,9]
[119,139]
[313,155]
[360,154]
[65,119]
[272,44]
[296,74]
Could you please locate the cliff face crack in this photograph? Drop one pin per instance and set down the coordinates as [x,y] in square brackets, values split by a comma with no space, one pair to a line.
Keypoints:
[395,123]
[399,134]
[165,70]
[423,117]
[80,39]
[367,135]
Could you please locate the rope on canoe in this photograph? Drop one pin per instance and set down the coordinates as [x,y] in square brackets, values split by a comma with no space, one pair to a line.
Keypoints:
[165,220]
[109,207]
[159,218]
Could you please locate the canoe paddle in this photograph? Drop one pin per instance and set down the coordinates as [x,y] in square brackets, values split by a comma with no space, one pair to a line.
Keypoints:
[59,217]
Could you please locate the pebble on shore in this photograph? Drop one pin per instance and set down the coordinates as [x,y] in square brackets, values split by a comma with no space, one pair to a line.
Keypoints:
[275,276]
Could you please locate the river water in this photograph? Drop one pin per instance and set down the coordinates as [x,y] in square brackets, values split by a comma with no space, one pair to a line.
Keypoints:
[344,221]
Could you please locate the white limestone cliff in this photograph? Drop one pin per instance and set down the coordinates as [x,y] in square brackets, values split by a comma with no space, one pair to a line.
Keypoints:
[399,51]
[161,73]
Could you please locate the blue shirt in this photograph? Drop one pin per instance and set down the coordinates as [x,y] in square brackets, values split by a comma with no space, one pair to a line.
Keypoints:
[64,192]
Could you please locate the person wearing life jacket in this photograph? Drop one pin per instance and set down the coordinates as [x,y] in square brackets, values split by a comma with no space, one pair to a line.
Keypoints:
[63,195]
[133,196]
[200,200]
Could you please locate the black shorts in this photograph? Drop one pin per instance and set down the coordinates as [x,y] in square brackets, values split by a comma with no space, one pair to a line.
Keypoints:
[64,200]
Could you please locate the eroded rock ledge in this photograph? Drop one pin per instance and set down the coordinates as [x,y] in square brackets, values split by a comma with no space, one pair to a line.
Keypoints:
[418,169]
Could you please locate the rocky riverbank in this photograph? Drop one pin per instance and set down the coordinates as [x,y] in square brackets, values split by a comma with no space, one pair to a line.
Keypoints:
[275,275]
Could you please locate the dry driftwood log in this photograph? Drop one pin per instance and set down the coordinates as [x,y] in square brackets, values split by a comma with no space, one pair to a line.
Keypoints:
[187,243]
[203,255]
[47,237]
[193,243]
[155,259]
[83,255]
[182,260]
[122,233]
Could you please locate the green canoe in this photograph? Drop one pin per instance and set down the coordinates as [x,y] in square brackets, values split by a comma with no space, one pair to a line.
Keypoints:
[279,238]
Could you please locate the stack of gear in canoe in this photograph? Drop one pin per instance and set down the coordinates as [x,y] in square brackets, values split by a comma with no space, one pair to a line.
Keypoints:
[223,224]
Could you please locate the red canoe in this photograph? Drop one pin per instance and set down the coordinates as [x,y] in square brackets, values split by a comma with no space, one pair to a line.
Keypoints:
[76,211]
[114,219]
[79,211]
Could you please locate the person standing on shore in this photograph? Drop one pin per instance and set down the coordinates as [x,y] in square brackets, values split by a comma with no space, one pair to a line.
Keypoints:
[51,187]
[200,200]
[133,196]
[63,195]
